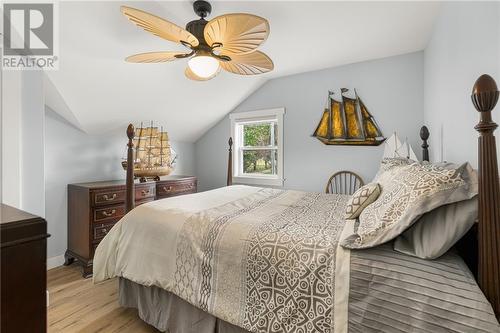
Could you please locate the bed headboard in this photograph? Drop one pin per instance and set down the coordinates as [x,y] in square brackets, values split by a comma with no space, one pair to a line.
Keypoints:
[484,98]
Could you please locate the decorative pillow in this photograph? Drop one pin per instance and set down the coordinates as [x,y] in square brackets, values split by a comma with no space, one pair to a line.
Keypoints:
[364,196]
[438,230]
[412,191]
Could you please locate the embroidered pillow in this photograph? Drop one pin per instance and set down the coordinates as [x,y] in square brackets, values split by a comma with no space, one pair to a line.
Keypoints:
[411,192]
[364,196]
[388,166]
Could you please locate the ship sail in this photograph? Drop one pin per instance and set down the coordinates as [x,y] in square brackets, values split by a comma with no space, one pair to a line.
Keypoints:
[392,145]
[323,129]
[370,125]
[153,155]
[406,151]
[395,149]
[337,120]
[347,122]
[353,123]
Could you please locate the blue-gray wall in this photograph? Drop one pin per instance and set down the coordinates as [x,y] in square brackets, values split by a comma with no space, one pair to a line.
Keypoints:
[392,89]
[465,44]
[72,156]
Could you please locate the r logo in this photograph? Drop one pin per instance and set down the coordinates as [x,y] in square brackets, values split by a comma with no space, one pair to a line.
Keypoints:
[28,29]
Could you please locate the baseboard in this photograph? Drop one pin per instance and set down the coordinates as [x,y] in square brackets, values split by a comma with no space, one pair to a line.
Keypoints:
[54,262]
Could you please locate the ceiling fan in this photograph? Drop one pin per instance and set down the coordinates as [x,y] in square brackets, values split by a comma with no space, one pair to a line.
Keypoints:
[227,41]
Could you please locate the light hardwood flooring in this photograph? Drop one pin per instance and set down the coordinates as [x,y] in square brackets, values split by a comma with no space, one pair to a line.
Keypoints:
[77,305]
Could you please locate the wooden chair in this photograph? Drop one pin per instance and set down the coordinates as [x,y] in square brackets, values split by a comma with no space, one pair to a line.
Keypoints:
[344,182]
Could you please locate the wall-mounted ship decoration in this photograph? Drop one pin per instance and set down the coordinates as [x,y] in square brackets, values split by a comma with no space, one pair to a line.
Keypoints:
[153,155]
[347,122]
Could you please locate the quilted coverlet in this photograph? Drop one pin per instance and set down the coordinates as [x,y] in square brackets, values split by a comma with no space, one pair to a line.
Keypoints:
[263,259]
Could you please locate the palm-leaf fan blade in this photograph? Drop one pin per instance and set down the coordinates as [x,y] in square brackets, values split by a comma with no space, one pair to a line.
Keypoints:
[238,33]
[159,27]
[248,64]
[192,76]
[151,57]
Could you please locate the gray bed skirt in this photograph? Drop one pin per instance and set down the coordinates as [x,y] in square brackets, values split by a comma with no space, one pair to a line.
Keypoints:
[169,313]
[388,292]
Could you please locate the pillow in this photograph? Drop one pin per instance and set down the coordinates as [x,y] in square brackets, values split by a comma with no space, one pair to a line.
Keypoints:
[389,165]
[438,230]
[364,196]
[412,191]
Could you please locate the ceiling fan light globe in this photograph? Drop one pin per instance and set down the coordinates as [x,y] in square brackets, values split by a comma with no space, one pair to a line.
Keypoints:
[203,66]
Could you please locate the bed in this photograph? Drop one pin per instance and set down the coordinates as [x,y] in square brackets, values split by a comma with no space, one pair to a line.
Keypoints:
[246,259]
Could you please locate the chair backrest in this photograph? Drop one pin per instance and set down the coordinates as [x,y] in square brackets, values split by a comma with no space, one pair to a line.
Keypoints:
[344,182]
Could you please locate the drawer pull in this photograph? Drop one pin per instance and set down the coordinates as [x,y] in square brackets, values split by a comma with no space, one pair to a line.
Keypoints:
[167,188]
[108,214]
[145,192]
[105,231]
[113,197]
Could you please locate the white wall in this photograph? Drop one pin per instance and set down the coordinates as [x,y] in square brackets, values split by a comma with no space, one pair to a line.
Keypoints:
[72,156]
[32,138]
[11,138]
[392,89]
[23,140]
[465,44]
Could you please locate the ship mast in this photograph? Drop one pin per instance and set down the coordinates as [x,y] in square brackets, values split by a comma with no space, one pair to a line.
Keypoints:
[161,146]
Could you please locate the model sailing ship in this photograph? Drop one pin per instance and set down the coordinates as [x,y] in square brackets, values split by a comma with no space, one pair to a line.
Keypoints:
[348,122]
[153,155]
[395,149]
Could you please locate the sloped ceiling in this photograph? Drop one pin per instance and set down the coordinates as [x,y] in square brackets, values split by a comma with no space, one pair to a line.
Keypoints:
[99,91]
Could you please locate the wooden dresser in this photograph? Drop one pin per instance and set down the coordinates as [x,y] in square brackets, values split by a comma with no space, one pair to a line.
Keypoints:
[24,271]
[93,209]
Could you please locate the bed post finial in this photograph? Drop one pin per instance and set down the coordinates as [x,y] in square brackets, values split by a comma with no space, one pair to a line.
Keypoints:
[230,163]
[130,200]
[424,135]
[484,97]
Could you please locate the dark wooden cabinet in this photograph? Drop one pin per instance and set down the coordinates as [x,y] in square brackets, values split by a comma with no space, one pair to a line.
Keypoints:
[94,208]
[23,293]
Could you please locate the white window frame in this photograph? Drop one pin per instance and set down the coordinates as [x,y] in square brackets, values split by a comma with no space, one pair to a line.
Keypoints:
[241,118]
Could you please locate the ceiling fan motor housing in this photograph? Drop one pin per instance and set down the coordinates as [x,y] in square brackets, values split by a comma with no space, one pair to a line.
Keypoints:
[202,8]
[197,27]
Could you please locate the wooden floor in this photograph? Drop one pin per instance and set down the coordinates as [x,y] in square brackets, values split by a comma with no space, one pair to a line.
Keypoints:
[77,305]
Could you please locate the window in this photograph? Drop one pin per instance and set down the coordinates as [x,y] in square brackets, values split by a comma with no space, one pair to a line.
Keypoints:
[258,147]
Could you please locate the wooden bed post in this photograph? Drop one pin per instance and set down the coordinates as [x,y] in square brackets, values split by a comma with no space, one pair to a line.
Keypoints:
[424,135]
[484,97]
[230,163]
[129,199]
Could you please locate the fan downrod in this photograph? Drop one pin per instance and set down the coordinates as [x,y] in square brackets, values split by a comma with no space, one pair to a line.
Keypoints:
[202,8]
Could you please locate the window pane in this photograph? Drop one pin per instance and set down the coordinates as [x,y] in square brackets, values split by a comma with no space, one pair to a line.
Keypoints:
[260,162]
[258,134]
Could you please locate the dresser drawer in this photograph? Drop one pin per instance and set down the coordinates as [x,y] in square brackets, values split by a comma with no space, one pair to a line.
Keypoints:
[108,197]
[101,230]
[95,207]
[171,189]
[109,213]
[145,192]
